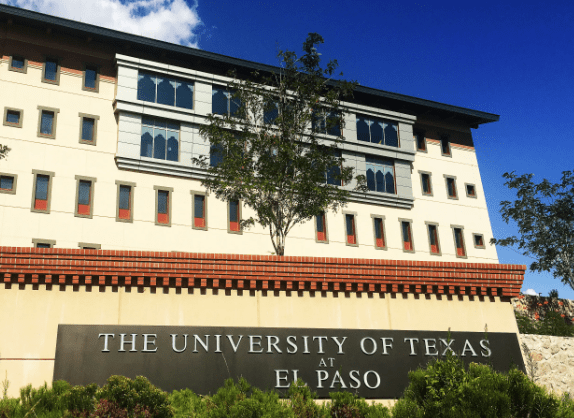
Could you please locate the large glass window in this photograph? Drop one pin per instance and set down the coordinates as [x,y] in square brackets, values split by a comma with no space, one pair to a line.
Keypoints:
[326,123]
[160,139]
[380,175]
[377,131]
[165,90]
[223,102]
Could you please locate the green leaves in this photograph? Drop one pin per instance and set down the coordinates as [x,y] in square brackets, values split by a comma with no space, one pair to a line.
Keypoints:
[544,214]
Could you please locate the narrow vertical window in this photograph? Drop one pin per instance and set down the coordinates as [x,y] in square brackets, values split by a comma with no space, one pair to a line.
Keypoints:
[88,128]
[451,188]
[421,142]
[350,229]
[407,236]
[51,71]
[445,145]
[42,191]
[162,207]
[125,199]
[91,78]
[459,242]
[379,233]
[321,227]
[47,122]
[199,212]
[433,239]
[234,216]
[85,196]
[426,184]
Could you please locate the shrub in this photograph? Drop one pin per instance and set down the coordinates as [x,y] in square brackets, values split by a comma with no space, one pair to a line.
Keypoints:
[349,405]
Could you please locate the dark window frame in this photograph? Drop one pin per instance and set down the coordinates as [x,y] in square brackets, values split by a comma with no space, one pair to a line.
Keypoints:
[476,245]
[422,175]
[473,195]
[417,135]
[448,178]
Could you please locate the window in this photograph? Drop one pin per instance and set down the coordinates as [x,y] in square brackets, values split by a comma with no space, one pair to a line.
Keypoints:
[43,243]
[451,187]
[18,64]
[433,238]
[421,142]
[91,78]
[163,205]
[160,139]
[42,191]
[321,228]
[88,128]
[270,113]
[223,102]
[377,131]
[89,246]
[459,241]
[326,123]
[124,212]
[380,174]
[379,232]
[164,90]
[85,197]
[51,71]
[8,183]
[13,117]
[426,186]
[199,210]
[470,190]
[350,229]
[234,216]
[216,154]
[47,122]
[478,240]
[334,173]
[445,146]
[408,245]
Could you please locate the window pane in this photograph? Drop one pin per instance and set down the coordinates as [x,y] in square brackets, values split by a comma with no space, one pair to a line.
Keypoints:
[425,181]
[377,132]
[198,206]
[146,87]
[90,75]
[88,129]
[271,113]
[47,122]
[125,197]
[380,181]
[234,211]
[335,128]
[215,155]
[42,187]
[378,228]
[350,223]
[18,62]
[320,223]
[421,144]
[218,101]
[159,144]
[146,120]
[391,135]
[84,192]
[43,245]
[445,146]
[406,233]
[173,146]
[147,142]
[162,196]
[451,188]
[234,104]
[165,91]
[51,70]
[371,180]
[334,176]
[184,95]
[362,129]
[6,182]
[13,116]
[432,234]
[389,182]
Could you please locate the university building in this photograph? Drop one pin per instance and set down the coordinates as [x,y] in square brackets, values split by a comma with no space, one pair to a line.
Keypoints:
[104,220]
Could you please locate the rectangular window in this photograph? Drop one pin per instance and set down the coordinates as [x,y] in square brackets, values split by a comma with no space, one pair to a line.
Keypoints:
[43,243]
[380,174]
[426,184]
[478,240]
[270,113]
[199,211]
[165,90]
[470,190]
[350,229]
[91,78]
[85,196]
[407,236]
[328,124]
[433,239]
[377,131]
[379,229]
[51,71]
[163,207]
[334,173]
[125,199]
[89,246]
[160,139]
[451,188]
[18,63]
[216,154]
[321,227]
[42,191]
[223,102]
[234,208]
[88,128]
[8,183]
[459,241]
[421,142]
[445,145]
[13,117]
[47,122]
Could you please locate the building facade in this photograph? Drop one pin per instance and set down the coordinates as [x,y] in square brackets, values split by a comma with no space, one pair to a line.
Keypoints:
[103,127]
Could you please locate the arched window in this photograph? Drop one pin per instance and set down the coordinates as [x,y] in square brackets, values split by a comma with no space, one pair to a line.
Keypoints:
[380,175]
[160,139]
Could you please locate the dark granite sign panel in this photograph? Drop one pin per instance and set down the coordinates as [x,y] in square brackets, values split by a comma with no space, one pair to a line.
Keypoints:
[372,363]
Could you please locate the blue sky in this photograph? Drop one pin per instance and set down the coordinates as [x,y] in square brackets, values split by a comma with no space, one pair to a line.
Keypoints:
[514,59]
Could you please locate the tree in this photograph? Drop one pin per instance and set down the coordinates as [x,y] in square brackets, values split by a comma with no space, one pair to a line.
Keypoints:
[270,148]
[544,213]
[3,151]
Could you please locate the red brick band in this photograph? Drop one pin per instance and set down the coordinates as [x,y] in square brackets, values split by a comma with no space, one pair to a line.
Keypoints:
[235,271]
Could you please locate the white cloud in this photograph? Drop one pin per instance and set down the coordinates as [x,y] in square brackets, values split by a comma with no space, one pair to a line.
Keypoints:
[168,20]
[531,292]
